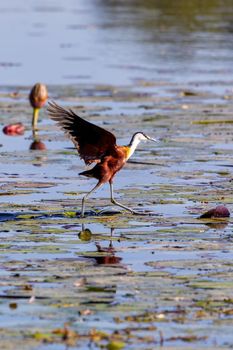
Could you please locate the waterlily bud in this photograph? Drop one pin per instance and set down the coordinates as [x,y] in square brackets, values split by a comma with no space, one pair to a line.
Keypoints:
[38,95]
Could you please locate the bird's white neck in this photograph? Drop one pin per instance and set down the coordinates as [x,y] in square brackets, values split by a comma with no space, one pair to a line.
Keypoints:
[133,145]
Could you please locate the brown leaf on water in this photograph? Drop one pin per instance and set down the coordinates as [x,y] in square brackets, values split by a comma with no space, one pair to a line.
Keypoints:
[13,306]
[228,312]
[218,212]
[188,93]
[68,335]
[28,287]
[96,335]
[187,338]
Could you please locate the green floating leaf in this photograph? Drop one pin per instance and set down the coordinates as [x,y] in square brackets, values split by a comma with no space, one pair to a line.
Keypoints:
[45,337]
[115,345]
[212,121]
[85,235]
[70,214]
[27,216]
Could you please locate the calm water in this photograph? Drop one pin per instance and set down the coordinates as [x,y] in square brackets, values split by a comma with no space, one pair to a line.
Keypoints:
[116,42]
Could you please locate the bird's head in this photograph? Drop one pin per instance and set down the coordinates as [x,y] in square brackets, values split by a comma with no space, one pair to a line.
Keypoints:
[136,139]
[141,136]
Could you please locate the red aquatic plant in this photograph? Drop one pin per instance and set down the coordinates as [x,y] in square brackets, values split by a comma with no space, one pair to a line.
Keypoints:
[14,129]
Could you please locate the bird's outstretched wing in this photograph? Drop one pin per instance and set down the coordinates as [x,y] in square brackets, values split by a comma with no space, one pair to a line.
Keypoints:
[91,141]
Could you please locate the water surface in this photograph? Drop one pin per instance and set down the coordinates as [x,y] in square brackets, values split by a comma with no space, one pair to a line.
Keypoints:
[144,281]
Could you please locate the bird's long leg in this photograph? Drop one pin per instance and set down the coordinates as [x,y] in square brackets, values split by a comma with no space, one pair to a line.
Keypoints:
[117,203]
[86,195]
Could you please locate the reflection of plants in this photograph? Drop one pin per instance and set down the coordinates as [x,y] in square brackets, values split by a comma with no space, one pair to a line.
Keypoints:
[167,14]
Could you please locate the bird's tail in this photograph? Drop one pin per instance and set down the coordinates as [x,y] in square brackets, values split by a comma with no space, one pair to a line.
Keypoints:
[87,173]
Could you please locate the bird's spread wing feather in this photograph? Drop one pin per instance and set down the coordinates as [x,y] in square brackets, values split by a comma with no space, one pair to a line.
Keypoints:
[91,141]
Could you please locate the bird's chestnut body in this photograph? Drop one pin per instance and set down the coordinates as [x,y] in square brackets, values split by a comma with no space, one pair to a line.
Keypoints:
[105,170]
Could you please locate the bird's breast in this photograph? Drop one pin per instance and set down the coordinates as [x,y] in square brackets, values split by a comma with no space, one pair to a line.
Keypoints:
[126,152]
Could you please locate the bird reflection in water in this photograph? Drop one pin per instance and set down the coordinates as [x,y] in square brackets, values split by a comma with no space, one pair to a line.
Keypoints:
[107,254]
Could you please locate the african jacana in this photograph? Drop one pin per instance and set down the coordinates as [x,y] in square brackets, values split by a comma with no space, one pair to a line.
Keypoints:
[96,145]
[37,97]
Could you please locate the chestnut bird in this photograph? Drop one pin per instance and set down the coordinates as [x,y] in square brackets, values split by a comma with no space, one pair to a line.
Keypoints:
[96,145]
